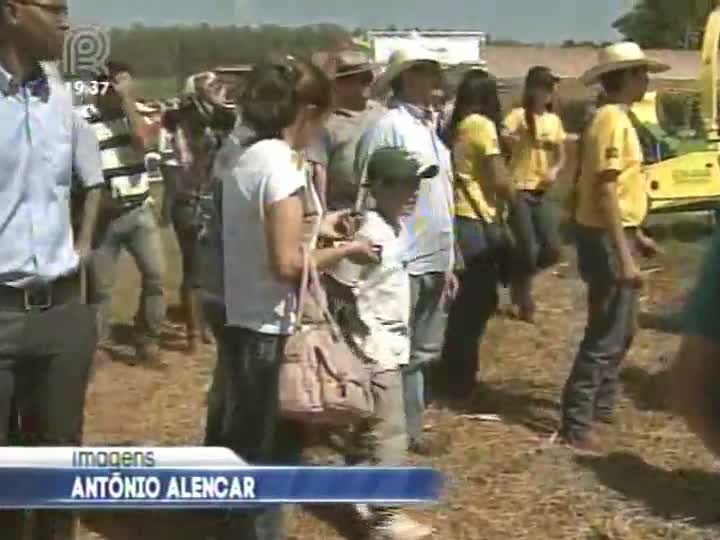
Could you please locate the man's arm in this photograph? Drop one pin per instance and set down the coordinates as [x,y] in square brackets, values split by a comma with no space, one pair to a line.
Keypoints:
[695,375]
[88,165]
[142,131]
[694,393]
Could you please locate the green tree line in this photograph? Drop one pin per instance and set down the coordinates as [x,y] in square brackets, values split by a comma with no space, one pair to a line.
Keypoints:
[675,24]
[183,50]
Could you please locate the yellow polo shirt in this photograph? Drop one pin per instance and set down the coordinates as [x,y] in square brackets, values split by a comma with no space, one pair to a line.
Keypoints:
[531,159]
[611,143]
[476,139]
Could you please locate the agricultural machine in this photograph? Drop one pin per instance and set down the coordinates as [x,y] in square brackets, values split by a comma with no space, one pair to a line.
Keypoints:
[683,171]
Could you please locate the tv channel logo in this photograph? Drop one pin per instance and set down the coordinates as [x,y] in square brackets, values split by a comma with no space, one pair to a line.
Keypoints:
[86,51]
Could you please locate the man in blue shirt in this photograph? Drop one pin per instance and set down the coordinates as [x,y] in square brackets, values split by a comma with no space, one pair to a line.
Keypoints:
[413,75]
[47,331]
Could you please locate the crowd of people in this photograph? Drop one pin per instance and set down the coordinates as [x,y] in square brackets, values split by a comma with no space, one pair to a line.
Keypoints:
[414,215]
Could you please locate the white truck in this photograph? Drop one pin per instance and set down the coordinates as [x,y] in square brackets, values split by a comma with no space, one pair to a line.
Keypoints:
[453,48]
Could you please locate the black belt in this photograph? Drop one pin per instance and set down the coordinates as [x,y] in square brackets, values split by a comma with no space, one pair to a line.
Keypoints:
[41,297]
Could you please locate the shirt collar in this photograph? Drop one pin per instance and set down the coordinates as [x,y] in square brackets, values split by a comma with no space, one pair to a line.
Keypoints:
[38,85]
[424,115]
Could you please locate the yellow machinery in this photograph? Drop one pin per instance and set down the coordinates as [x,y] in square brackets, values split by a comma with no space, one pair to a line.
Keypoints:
[683,174]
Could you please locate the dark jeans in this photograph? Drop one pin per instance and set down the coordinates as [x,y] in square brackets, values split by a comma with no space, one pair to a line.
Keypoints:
[536,233]
[214,311]
[476,302]
[252,426]
[592,386]
[186,222]
[45,358]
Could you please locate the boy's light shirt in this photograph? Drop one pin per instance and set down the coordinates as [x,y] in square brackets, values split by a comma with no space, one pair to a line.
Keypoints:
[382,297]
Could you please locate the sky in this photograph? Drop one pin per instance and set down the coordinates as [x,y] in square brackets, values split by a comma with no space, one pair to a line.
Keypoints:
[525,20]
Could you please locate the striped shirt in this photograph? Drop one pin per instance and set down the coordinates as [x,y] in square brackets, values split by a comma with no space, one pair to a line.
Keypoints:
[123,166]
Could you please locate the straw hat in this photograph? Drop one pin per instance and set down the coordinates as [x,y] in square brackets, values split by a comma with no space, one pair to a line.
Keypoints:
[351,62]
[624,55]
[400,61]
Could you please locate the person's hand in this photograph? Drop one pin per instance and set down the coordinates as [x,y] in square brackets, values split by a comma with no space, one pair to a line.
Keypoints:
[84,250]
[552,175]
[630,274]
[647,246]
[338,225]
[123,84]
[362,251]
[450,286]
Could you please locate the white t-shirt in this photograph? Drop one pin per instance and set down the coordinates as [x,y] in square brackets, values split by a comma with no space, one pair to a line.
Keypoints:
[267,172]
[382,297]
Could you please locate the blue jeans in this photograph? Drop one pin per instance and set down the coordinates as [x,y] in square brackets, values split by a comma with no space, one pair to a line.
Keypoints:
[476,302]
[592,386]
[137,231]
[428,321]
[252,426]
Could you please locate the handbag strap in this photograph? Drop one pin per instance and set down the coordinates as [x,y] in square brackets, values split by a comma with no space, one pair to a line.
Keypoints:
[304,287]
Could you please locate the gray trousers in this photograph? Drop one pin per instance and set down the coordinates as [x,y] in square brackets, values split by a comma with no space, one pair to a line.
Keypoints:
[536,233]
[138,232]
[429,315]
[45,359]
[592,386]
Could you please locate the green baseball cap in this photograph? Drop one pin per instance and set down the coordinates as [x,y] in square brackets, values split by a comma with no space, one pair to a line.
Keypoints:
[397,164]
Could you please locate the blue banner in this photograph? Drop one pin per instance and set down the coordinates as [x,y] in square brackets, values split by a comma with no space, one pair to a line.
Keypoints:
[211,487]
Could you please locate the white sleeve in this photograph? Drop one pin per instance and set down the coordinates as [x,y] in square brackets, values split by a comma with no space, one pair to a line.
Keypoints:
[349,273]
[281,182]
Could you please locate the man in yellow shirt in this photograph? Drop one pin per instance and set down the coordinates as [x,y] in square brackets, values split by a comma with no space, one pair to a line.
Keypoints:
[611,203]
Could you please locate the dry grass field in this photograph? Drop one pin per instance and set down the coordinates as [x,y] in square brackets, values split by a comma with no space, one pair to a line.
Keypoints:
[505,480]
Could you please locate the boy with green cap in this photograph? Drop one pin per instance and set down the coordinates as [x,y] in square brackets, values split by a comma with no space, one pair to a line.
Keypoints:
[376,323]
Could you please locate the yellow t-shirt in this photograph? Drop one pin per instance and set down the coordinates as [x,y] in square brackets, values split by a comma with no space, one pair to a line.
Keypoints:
[611,143]
[476,139]
[531,159]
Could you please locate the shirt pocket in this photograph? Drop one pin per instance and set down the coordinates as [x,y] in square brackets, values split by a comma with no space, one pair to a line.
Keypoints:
[57,156]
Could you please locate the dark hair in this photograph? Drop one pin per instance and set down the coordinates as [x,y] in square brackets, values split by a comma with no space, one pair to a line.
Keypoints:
[539,79]
[112,69]
[477,94]
[275,92]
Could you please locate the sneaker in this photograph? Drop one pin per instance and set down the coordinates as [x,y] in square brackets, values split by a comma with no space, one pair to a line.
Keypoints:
[149,353]
[207,337]
[582,444]
[428,445]
[607,418]
[400,527]
[363,512]
[193,345]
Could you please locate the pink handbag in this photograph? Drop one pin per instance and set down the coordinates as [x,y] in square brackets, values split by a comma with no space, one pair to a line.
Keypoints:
[321,381]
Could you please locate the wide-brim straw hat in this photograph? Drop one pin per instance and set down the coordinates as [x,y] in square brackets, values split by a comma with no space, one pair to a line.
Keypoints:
[624,55]
[400,61]
[352,62]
